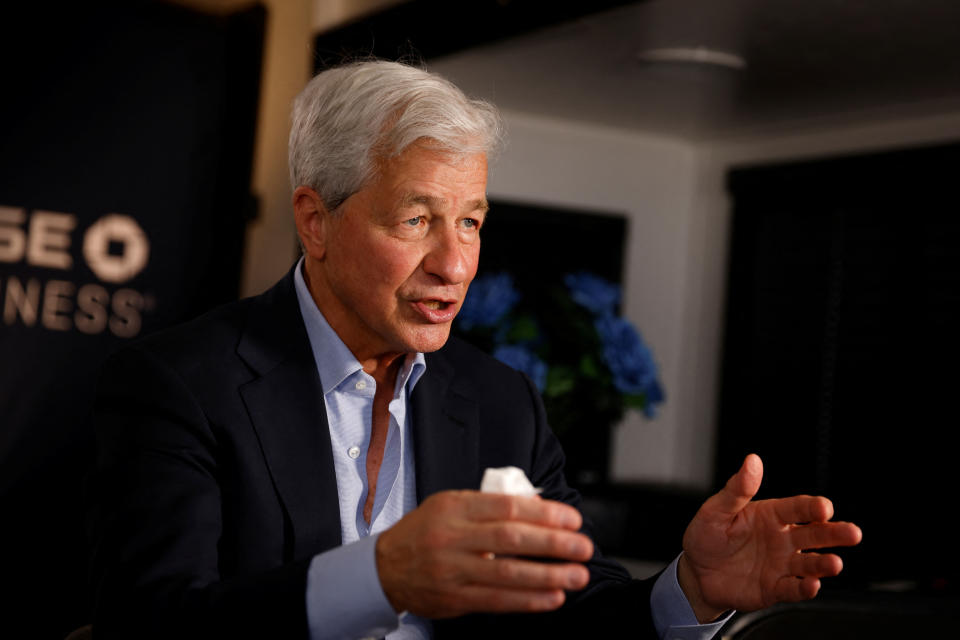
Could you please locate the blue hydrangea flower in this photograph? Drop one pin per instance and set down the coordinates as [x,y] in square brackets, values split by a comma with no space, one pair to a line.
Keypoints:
[593,292]
[488,300]
[522,359]
[630,360]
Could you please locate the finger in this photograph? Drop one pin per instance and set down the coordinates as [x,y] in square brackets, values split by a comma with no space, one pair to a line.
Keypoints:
[803,509]
[482,598]
[523,539]
[815,565]
[740,488]
[494,506]
[791,589]
[517,573]
[825,534]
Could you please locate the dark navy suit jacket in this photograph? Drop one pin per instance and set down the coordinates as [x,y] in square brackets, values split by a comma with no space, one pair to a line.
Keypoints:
[214,483]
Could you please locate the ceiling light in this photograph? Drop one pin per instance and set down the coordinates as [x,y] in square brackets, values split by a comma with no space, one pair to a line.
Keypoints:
[694,55]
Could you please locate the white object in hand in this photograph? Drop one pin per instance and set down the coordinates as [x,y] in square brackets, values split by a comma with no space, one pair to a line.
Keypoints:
[510,480]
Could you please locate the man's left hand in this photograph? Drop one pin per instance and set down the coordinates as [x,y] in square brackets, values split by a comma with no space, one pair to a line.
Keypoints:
[746,555]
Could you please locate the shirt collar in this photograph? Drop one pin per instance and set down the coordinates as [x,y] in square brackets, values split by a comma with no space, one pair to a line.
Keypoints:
[335,362]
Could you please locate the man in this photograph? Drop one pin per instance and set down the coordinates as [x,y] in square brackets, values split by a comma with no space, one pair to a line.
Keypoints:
[304,463]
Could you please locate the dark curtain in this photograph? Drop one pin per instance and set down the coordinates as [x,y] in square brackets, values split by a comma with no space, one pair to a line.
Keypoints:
[842,345]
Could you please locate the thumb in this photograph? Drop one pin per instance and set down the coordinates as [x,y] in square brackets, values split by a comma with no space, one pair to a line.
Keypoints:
[741,487]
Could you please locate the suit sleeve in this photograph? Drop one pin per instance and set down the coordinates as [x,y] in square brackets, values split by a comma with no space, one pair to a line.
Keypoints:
[156,520]
[612,603]
[623,604]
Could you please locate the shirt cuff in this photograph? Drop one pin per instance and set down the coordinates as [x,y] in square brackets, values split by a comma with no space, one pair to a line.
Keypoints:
[344,596]
[673,617]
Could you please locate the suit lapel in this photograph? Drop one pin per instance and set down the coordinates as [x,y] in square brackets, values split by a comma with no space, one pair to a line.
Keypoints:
[286,408]
[285,405]
[446,431]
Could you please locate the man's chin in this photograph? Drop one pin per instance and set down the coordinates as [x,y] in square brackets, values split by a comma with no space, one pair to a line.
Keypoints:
[430,338]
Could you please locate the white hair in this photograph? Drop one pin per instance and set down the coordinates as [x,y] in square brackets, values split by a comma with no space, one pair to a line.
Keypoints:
[350,117]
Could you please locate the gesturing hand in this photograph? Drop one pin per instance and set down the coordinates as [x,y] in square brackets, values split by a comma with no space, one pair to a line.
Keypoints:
[462,551]
[746,555]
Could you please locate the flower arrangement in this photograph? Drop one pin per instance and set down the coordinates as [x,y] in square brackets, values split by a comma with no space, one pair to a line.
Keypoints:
[589,363]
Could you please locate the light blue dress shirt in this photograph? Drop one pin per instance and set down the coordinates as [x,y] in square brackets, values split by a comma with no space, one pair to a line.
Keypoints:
[344,596]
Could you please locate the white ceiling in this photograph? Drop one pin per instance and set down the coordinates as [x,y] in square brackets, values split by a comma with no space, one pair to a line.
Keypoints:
[807,60]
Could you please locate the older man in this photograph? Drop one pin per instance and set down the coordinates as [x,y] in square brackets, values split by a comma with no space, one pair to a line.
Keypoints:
[304,463]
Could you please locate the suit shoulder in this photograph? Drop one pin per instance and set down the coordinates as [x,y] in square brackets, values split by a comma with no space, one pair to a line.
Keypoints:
[481,369]
[461,352]
[228,340]
[219,331]
[212,331]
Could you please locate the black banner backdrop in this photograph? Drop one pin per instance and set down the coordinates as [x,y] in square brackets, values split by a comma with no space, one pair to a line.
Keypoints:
[126,137]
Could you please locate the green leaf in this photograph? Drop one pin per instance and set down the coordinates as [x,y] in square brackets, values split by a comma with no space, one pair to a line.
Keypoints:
[635,400]
[524,329]
[560,380]
[589,367]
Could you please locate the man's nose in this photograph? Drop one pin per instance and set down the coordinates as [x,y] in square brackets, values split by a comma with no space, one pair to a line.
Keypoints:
[449,258]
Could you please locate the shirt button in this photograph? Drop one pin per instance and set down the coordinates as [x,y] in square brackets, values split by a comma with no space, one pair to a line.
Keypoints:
[354,452]
[361,385]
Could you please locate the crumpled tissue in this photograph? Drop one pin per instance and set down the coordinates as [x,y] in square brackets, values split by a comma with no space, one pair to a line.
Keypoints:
[509,480]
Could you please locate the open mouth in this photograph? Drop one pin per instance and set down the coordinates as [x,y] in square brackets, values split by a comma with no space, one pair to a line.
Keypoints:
[436,311]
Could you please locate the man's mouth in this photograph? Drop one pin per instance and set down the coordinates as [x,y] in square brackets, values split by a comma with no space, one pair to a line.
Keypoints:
[436,311]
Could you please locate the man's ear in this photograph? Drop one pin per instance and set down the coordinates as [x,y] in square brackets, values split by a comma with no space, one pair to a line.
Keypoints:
[311,217]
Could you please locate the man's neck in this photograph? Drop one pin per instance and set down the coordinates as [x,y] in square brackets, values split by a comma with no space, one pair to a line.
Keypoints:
[384,369]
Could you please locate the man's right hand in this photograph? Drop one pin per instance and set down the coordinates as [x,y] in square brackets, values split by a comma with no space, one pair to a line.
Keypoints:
[464,551]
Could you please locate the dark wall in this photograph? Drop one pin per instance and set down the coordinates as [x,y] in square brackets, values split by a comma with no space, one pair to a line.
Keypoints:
[125,159]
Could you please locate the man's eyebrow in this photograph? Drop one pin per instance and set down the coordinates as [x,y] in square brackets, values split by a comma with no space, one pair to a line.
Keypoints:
[410,199]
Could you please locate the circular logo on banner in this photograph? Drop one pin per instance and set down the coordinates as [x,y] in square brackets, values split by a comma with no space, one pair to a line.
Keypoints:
[116,250]
[120,231]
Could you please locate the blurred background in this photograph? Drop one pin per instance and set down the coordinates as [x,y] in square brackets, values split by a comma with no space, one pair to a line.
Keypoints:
[774,180]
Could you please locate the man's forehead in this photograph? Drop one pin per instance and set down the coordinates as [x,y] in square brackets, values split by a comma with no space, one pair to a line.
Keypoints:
[415,198]
[425,175]
[425,149]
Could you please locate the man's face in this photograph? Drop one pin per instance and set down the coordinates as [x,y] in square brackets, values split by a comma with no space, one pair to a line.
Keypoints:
[399,255]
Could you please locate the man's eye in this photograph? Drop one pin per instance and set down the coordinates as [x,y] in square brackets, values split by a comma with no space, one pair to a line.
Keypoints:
[471,223]
[413,222]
